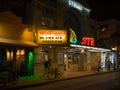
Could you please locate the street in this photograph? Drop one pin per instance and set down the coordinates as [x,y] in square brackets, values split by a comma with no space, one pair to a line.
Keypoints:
[107,81]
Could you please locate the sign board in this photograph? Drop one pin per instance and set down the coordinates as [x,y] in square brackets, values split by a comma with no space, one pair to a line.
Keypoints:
[89,41]
[52,37]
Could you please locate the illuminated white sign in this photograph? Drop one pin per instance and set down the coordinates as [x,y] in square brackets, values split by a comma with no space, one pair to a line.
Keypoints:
[77,5]
[52,36]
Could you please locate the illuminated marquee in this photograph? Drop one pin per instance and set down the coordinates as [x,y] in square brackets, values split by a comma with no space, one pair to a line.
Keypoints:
[52,37]
[88,41]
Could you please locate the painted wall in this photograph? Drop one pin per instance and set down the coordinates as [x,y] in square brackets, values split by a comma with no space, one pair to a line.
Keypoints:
[11,27]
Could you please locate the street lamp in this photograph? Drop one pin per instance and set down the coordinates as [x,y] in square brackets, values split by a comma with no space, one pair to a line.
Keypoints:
[114,48]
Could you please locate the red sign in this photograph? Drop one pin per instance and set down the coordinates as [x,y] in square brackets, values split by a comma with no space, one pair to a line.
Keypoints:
[88,41]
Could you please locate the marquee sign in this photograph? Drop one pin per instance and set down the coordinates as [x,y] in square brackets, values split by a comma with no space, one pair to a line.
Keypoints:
[52,37]
[89,41]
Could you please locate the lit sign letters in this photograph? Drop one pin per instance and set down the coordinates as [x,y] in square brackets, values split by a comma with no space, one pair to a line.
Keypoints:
[77,5]
[52,37]
[88,41]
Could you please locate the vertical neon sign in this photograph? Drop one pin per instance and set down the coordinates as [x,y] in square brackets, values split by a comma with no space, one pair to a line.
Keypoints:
[73,37]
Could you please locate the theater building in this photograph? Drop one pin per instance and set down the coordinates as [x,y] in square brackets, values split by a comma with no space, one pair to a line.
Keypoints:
[65,33]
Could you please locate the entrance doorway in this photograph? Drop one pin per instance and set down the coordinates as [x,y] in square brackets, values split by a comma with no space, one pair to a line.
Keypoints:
[20,61]
[44,55]
[71,61]
[68,62]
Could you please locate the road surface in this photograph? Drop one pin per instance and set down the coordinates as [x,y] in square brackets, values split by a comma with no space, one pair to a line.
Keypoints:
[107,81]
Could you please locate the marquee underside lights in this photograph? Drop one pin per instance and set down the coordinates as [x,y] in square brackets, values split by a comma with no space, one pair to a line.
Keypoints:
[92,49]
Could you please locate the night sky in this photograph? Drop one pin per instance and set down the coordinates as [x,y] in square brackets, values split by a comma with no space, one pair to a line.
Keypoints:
[100,9]
[104,9]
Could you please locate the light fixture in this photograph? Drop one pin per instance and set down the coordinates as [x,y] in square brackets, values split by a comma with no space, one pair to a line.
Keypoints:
[114,48]
[82,50]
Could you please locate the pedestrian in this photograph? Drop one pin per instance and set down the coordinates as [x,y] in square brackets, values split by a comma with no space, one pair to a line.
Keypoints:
[109,64]
[56,72]
[98,68]
[47,66]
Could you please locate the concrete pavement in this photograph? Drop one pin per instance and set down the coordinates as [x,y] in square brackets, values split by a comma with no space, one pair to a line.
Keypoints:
[22,83]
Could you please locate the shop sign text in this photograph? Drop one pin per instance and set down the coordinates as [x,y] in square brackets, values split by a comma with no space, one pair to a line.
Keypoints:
[52,37]
[89,41]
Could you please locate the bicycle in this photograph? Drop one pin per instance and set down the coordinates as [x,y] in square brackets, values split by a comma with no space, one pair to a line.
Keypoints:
[96,68]
[49,74]
[53,73]
[58,73]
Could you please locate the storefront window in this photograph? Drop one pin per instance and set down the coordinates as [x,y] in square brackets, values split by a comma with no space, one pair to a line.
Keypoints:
[60,58]
[2,55]
[76,58]
[20,61]
[9,54]
[31,64]
[20,55]
[103,57]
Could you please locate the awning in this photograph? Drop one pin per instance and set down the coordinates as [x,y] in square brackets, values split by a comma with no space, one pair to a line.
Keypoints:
[4,41]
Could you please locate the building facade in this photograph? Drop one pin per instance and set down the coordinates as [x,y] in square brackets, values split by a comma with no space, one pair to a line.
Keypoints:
[57,30]
[16,45]
[51,22]
[109,31]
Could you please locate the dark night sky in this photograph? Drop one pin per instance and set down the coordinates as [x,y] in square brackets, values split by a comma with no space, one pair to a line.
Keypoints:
[100,9]
[104,9]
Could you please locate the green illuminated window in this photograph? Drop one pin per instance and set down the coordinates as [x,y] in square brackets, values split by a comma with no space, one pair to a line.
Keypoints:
[31,63]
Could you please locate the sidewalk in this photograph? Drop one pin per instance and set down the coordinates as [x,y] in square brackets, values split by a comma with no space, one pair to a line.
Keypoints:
[22,83]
